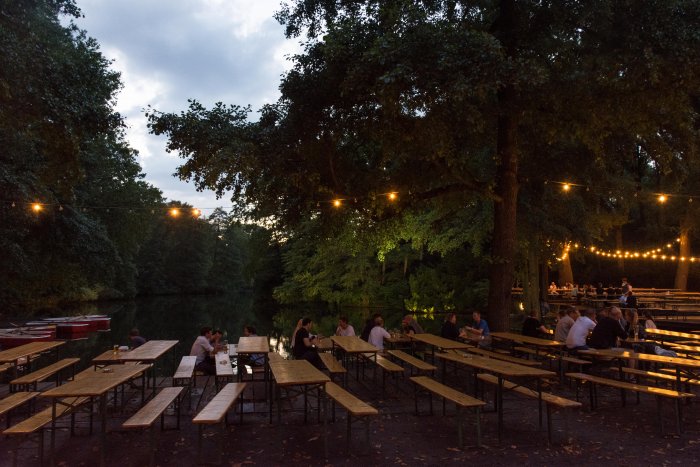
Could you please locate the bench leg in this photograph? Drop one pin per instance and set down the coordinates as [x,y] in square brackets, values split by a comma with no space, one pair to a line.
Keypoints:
[460,439]
[658,415]
[152,459]
[679,416]
[478,426]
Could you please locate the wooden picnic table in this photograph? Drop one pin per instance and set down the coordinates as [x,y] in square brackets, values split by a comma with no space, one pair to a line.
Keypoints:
[92,384]
[354,346]
[253,345]
[685,367]
[26,351]
[398,340]
[224,369]
[539,344]
[148,352]
[663,335]
[290,373]
[502,370]
[437,342]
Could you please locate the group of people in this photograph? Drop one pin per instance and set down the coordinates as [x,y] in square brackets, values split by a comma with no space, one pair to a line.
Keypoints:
[478,331]
[209,342]
[623,293]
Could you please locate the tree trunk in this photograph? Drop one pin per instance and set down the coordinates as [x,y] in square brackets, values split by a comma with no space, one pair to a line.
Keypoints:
[566,274]
[505,206]
[683,268]
[531,287]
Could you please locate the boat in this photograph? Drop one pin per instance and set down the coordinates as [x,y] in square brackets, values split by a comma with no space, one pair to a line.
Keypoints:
[10,338]
[93,323]
[72,330]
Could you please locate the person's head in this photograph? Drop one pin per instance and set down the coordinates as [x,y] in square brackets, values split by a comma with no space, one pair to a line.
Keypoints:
[476,316]
[573,312]
[589,313]
[306,323]
[615,313]
[648,315]
[343,322]
[216,335]
[379,321]
[562,313]
[451,318]
[134,332]
[249,330]
[603,313]
[205,331]
[629,293]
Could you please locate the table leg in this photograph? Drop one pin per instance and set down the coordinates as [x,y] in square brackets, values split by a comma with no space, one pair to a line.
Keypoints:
[499,401]
[103,429]
[53,429]
[539,399]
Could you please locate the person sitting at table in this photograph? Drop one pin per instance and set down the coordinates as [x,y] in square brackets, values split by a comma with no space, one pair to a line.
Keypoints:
[369,324]
[256,359]
[378,334]
[630,300]
[576,339]
[553,289]
[608,330]
[304,346]
[532,327]
[649,320]
[479,331]
[294,334]
[344,328]
[410,326]
[216,336]
[204,351]
[567,318]
[135,338]
[450,330]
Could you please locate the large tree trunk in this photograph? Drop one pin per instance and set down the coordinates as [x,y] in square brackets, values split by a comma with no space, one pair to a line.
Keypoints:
[505,206]
[531,287]
[683,268]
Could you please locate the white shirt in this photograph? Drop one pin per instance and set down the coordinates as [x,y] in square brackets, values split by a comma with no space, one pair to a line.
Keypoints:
[579,332]
[377,335]
[201,348]
[348,331]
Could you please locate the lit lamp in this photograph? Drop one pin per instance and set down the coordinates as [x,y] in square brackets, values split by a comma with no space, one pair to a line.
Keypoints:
[662,198]
[392,196]
[174,212]
[196,212]
[36,207]
[566,187]
[336,203]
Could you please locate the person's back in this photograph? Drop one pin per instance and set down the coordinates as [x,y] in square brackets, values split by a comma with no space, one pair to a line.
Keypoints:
[378,333]
[606,332]
[531,327]
[576,339]
[563,327]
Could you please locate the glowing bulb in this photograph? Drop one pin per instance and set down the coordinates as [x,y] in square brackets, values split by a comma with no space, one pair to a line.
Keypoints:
[663,257]
[592,248]
[196,212]
[673,258]
[678,239]
[392,196]
[682,258]
[662,198]
[336,203]
[566,187]
[668,245]
[174,212]
[36,207]
[692,259]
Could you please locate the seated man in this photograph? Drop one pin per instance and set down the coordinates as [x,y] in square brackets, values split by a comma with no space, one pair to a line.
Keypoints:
[532,327]
[608,330]
[479,331]
[204,351]
[304,347]
[378,334]
[344,328]
[567,318]
[450,330]
[576,339]
[135,339]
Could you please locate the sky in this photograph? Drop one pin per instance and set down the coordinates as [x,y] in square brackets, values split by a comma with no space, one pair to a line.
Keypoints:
[168,51]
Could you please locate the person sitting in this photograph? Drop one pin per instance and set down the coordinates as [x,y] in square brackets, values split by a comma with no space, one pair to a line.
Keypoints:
[304,346]
[649,320]
[369,324]
[567,318]
[532,327]
[608,330]
[344,328]
[576,339]
[204,351]
[410,326]
[135,339]
[378,334]
[216,336]
[479,331]
[450,330]
[256,359]
[630,300]
[553,290]
[294,334]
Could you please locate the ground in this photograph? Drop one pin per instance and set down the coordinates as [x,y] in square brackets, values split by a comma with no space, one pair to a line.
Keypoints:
[612,435]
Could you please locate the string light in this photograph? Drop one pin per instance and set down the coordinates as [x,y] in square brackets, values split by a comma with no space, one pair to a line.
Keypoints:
[174,212]
[196,212]
[662,198]
[392,196]
[37,207]
[336,203]
[566,187]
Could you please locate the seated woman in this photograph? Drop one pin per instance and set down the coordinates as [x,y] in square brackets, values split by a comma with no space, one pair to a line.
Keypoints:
[450,330]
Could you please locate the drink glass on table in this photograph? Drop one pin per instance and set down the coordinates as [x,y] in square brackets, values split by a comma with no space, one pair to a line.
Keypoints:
[115,350]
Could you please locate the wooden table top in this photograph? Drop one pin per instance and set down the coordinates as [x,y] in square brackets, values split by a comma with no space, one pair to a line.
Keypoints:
[684,348]
[626,355]
[109,357]
[353,344]
[511,336]
[151,350]
[324,344]
[253,344]
[505,358]
[498,367]
[294,372]
[398,339]
[223,364]
[665,333]
[96,383]
[441,342]
[14,354]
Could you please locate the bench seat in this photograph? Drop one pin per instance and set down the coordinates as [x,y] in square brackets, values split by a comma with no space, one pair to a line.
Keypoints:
[460,400]
[355,408]
[31,380]
[416,363]
[216,410]
[550,399]
[333,366]
[501,356]
[40,419]
[14,401]
[660,393]
[388,367]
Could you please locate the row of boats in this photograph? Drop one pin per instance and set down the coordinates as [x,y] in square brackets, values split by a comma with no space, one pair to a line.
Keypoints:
[46,329]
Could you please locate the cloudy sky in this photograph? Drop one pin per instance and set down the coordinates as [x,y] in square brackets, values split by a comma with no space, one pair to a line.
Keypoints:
[167,51]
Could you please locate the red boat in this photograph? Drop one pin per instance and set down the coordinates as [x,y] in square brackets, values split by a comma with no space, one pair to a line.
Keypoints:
[10,338]
[72,330]
[93,323]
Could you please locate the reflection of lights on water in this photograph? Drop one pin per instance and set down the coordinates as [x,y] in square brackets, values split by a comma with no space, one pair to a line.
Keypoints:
[279,345]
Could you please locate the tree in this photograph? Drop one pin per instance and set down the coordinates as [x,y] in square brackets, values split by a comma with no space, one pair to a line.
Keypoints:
[455,105]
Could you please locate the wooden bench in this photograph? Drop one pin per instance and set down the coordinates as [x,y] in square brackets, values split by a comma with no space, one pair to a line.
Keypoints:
[31,380]
[500,356]
[461,401]
[13,401]
[39,420]
[216,411]
[661,375]
[155,408]
[333,366]
[414,362]
[561,359]
[185,372]
[389,367]
[354,407]
[660,394]
[550,399]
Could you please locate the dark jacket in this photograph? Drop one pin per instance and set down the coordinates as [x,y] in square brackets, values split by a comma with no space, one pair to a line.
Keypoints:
[605,333]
